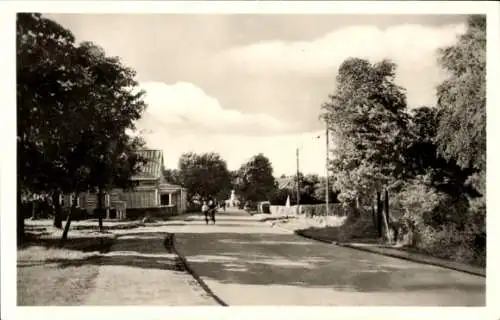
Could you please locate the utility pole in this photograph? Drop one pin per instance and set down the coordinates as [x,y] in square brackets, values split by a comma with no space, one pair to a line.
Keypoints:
[298,183]
[327,189]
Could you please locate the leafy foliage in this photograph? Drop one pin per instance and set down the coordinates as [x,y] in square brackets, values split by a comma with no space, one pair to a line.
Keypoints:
[172,176]
[462,98]
[204,175]
[255,179]
[369,123]
[432,159]
[74,107]
[312,190]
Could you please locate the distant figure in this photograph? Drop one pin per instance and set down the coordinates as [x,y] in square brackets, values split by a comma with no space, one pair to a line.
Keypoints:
[212,207]
[204,209]
[223,205]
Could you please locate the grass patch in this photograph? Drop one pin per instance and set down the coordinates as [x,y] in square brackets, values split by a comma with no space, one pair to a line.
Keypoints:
[82,240]
[91,224]
[48,285]
[40,282]
[350,229]
[39,253]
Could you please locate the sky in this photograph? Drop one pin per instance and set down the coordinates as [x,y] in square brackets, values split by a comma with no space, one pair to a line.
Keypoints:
[246,84]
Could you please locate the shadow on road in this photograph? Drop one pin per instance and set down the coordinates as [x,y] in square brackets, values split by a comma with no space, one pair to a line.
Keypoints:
[265,259]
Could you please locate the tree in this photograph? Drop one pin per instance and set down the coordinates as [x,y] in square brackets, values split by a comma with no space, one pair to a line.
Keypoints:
[462,97]
[204,174]
[422,156]
[368,120]
[113,157]
[256,180]
[43,67]
[461,135]
[114,167]
[74,105]
[320,192]
[172,176]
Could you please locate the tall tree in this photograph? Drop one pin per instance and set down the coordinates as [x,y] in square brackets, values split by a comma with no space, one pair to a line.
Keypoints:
[368,120]
[44,82]
[461,135]
[462,97]
[256,180]
[74,105]
[113,157]
[204,174]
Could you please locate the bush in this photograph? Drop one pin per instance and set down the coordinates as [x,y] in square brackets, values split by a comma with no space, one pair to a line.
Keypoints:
[193,207]
[443,226]
[250,206]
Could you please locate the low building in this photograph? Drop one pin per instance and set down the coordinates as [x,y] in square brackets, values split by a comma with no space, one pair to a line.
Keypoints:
[153,194]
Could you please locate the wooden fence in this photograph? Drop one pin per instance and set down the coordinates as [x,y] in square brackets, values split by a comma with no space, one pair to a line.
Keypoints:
[335,209]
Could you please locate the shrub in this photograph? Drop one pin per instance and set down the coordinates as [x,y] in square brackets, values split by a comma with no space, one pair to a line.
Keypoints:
[443,226]
[193,207]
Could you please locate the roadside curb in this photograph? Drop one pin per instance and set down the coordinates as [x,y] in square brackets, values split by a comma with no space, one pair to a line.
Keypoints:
[188,268]
[433,262]
[299,233]
[412,259]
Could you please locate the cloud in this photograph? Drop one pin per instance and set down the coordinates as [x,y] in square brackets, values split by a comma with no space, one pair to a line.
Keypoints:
[183,106]
[413,47]
[181,118]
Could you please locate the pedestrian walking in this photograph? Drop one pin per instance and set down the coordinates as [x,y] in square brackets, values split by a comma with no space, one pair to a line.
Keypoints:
[223,205]
[205,209]
[212,207]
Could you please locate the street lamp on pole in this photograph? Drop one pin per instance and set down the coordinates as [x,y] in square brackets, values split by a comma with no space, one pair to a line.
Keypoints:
[298,182]
[298,175]
[327,189]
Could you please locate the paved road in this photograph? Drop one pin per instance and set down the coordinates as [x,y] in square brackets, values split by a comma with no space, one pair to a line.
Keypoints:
[246,262]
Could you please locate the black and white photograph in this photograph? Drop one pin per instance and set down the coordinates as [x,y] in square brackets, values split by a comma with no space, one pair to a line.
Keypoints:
[185,159]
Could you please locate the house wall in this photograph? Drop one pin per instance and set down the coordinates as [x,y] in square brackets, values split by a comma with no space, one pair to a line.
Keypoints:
[141,198]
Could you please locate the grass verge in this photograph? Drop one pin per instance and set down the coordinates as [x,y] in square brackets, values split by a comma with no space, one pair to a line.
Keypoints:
[41,281]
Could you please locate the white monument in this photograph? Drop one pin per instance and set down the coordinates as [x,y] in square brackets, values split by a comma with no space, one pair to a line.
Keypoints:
[287,204]
[232,199]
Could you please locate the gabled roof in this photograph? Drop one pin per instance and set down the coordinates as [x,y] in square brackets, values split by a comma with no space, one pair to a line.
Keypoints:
[152,170]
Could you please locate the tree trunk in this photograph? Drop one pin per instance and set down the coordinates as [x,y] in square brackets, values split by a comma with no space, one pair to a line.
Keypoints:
[57,210]
[33,209]
[379,214]
[20,220]
[100,210]
[68,221]
[386,216]
[374,216]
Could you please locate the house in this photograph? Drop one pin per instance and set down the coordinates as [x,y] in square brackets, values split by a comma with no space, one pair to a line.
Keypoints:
[153,193]
[153,190]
